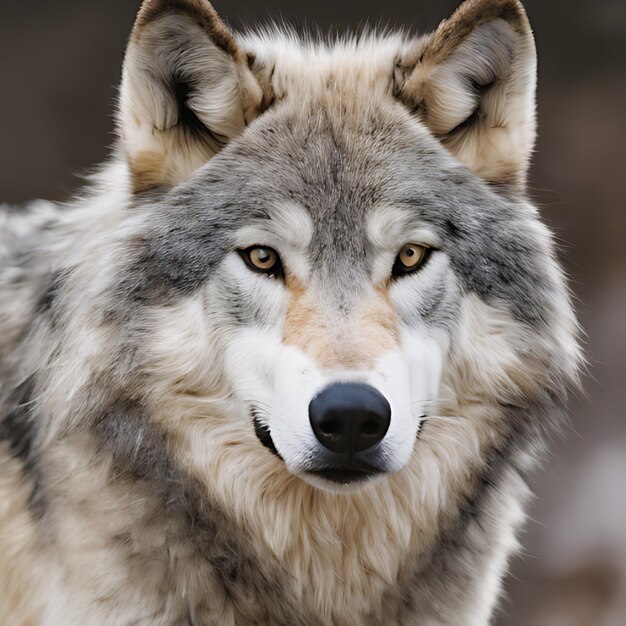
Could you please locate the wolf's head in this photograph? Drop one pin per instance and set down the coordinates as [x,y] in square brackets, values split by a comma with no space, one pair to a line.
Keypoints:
[330,244]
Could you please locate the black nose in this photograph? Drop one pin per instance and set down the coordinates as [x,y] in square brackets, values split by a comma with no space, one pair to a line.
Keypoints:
[349,417]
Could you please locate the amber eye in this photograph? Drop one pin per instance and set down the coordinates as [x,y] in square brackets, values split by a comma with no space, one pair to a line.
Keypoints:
[411,258]
[262,259]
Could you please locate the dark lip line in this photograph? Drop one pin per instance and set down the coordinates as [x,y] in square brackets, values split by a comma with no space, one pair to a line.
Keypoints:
[342,476]
[356,466]
[263,434]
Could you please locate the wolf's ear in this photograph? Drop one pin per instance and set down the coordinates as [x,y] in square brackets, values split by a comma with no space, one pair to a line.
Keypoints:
[472,82]
[187,89]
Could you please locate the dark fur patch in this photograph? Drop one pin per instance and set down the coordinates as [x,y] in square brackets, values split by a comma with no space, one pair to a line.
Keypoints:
[46,304]
[18,429]
[188,233]
[183,89]
[140,452]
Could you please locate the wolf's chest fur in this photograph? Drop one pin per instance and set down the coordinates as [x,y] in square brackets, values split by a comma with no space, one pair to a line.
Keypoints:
[124,555]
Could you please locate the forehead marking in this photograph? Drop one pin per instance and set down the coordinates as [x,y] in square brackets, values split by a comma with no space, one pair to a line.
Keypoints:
[332,340]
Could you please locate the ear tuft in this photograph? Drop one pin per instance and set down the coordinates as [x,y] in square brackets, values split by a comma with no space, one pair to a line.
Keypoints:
[472,82]
[186,91]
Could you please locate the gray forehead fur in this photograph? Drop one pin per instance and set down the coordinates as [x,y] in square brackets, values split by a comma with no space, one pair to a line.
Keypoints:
[340,167]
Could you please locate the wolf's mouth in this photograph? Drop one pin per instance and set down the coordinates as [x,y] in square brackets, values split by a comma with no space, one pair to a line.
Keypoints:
[339,474]
[263,434]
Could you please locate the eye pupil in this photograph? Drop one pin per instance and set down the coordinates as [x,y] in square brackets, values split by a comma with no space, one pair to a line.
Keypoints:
[262,257]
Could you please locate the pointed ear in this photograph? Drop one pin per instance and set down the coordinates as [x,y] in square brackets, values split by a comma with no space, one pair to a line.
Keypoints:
[472,82]
[187,89]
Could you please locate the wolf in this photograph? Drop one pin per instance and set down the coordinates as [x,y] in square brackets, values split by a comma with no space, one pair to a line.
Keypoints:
[290,356]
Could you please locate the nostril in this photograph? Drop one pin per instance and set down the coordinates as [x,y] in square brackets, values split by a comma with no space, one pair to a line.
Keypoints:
[331,427]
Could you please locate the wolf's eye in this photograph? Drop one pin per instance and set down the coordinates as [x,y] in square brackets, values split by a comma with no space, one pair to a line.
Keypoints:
[411,258]
[262,259]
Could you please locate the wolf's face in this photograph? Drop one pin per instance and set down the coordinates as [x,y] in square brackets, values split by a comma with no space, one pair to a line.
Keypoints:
[330,290]
[334,288]
[318,228]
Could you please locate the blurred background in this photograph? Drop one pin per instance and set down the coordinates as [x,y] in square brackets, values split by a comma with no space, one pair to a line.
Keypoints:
[60,64]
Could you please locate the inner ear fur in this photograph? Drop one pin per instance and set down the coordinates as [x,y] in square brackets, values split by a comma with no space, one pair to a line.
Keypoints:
[187,89]
[472,82]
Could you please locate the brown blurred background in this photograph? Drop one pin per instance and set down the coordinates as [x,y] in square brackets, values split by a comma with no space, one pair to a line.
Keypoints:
[59,66]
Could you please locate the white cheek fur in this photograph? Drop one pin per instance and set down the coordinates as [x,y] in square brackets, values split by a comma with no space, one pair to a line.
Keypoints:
[409,377]
[297,379]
